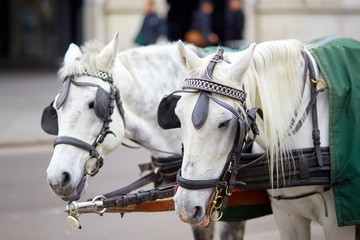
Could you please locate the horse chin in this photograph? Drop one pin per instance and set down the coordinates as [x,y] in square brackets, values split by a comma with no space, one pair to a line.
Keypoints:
[78,192]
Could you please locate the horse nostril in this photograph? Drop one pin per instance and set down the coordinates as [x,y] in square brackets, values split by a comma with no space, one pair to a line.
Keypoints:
[65,179]
[198,212]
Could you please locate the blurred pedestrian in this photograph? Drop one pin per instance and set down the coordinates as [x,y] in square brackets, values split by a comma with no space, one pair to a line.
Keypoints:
[234,24]
[200,32]
[153,26]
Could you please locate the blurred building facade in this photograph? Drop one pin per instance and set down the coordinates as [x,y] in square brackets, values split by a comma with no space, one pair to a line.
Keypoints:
[265,19]
[38,32]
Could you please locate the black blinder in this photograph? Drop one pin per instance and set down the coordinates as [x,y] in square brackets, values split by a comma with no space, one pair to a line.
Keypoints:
[201,109]
[49,120]
[101,104]
[166,116]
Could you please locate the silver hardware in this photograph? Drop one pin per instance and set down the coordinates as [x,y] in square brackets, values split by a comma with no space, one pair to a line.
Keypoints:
[98,202]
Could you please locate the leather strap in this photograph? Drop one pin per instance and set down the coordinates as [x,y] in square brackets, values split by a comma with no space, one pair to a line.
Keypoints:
[151,177]
[140,197]
[316,131]
[253,171]
[312,106]
[198,184]
[77,143]
[200,111]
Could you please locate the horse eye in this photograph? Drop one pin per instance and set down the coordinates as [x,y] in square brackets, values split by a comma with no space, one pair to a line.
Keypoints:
[224,123]
[91,105]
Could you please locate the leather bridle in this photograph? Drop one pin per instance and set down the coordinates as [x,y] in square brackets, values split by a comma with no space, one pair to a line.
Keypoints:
[113,96]
[225,183]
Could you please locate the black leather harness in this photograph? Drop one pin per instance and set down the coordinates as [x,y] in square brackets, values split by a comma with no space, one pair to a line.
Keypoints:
[226,182]
[104,105]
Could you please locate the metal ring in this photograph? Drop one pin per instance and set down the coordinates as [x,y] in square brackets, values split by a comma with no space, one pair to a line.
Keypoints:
[94,207]
[316,81]
[215,219]
[73,208]
[216,202]
[96,170]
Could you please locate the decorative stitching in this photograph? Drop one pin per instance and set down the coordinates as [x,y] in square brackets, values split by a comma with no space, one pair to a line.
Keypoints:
[210,86]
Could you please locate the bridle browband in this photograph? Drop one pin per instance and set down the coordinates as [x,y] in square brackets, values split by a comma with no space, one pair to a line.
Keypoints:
[225,183]
[113,96]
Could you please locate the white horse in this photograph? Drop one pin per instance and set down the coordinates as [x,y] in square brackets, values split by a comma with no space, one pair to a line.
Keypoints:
[143,76]
[271,73]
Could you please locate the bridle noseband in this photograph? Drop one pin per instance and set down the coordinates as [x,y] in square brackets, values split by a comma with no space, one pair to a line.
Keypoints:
[102,112]
[225,183]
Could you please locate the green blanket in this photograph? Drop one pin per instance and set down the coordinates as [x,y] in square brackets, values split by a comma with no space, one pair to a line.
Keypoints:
[339,62]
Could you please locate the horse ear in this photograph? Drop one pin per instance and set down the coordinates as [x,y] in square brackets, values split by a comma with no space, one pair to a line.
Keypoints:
[242,62]
[107,55]
[189,59]
[72,53]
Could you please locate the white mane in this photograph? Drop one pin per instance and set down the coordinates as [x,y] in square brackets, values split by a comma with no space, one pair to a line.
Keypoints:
[275,85]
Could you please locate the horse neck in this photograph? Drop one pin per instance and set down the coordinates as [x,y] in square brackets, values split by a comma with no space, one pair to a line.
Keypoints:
[141,89]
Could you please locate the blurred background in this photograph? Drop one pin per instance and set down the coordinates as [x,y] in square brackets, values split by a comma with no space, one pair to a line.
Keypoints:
[34,36]
[38,32]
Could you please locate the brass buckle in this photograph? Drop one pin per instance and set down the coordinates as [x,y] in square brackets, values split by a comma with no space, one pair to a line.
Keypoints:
[316,81]
[216,205]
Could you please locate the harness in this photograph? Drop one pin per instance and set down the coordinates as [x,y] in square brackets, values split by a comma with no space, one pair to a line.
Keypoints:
[226,182]
[103,106]
[312,165]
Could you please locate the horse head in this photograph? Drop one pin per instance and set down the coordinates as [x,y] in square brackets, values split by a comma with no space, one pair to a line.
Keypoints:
[86,116]
[210,124]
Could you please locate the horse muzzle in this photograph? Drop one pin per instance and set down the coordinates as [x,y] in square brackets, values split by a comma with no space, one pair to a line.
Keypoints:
[192,207]
[67,191]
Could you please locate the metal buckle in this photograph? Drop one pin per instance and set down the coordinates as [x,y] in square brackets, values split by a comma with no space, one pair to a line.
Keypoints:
[216,205]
